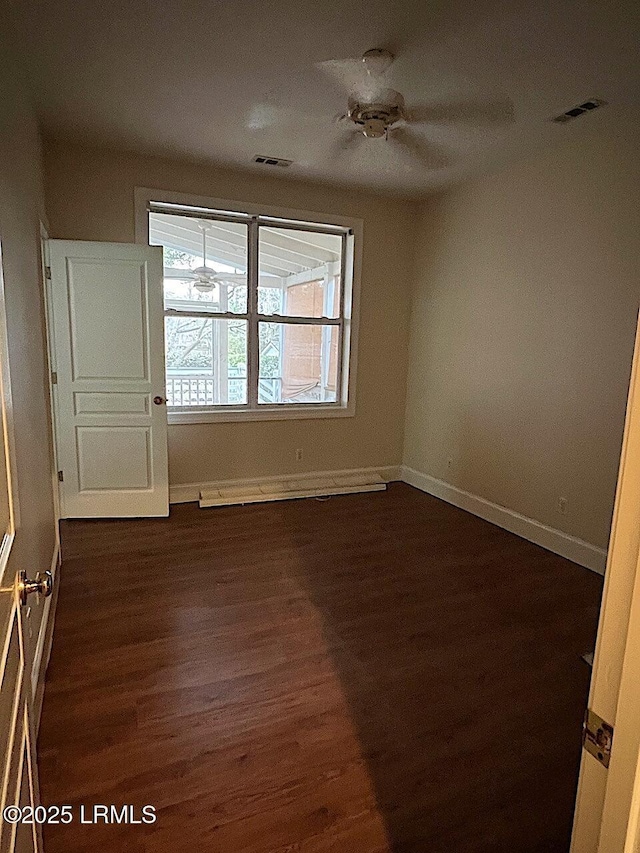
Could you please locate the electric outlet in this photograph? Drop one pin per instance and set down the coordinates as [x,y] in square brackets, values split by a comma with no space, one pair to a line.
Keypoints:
[562,506]
[299,455]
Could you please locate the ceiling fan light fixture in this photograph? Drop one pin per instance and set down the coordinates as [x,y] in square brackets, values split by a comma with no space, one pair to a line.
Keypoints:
[375,128]
[377,61]
[204,286]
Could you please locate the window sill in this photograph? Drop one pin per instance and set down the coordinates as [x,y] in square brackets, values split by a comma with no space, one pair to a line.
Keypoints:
[268,414]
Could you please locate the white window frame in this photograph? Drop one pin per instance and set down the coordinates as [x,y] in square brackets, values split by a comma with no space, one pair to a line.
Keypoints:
[351,266]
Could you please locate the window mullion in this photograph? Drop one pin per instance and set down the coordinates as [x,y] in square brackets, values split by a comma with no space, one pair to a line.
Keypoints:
[205,315]
[253,365]
[294,320]
[340,392]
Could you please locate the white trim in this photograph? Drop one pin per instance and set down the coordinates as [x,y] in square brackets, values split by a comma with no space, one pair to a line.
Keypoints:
[51,369]
[301,412]
[37,668]
[144,195]
[281,319]
[350,289]
[187,492]
[581,552]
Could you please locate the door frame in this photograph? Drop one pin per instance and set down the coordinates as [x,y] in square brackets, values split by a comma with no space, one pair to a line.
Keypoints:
[603,815]
[50,352]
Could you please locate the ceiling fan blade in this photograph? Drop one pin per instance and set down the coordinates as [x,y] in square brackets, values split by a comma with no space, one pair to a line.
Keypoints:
[346,142]
[353,77]
[480,113]
[231,277]
[263,116]
[426,154]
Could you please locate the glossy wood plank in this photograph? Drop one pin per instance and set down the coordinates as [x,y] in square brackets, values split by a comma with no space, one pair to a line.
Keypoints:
[366,674]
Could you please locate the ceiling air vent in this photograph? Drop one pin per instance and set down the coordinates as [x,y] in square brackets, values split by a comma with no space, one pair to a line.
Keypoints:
[574,112]
[272,161]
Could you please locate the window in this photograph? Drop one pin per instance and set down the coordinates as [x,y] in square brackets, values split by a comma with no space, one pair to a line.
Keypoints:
[257,313]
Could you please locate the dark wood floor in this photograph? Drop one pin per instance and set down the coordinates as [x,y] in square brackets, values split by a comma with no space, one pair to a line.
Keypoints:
[369,673]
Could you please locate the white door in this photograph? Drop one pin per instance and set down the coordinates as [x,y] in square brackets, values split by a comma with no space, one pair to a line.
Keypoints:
[608,801]
[18,769]
[108,340]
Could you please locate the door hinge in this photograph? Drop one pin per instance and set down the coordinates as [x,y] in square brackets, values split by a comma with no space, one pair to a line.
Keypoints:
[60,476]
[54,377]
[47,273]
[597,737]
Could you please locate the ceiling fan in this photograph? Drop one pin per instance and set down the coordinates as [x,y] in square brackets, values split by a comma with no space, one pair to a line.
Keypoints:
[205,278]
[377,112]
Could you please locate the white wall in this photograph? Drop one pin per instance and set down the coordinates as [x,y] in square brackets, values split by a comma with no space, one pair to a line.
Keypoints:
[523,319]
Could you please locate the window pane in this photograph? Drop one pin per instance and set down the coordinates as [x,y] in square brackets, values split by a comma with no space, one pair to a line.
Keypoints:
[206,361]
[213,280]
[299,273]
[298,363]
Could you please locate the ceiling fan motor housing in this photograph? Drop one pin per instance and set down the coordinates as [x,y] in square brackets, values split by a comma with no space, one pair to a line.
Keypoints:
[375,119]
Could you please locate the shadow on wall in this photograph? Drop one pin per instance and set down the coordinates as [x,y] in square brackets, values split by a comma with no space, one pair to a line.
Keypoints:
[457,650]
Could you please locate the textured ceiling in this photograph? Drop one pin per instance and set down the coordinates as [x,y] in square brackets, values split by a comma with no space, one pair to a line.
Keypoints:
[223,81]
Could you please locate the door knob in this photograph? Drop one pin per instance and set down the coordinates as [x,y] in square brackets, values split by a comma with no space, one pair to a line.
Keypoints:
[159,400]
[43,584]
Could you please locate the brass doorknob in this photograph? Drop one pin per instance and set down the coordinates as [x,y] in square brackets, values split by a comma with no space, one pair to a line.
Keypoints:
[159,400]
[43,584]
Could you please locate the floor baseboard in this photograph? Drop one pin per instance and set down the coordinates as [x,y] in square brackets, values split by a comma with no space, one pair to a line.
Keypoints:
[581,552]
[188,492]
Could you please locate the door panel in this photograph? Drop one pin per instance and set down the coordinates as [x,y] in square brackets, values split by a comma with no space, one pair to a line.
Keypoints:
[12,710]
[18,772]
[111,404]
[108,336]
[114,457]
[107,305]
[26,839]
[19,790]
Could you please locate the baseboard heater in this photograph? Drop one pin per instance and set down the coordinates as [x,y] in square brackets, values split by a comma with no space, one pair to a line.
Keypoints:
[287,490]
